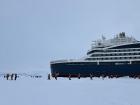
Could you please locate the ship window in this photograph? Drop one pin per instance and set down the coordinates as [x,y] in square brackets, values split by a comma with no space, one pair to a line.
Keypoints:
[108,54]
[126,50]
[133,50]
[111,54]
[115,54]
[132,53]
[114,57]
[125,53]
[105,54]
[130,50]
[118,54]
[121,54]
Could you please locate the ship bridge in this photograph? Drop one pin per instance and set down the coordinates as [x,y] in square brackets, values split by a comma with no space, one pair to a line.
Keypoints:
[120,41]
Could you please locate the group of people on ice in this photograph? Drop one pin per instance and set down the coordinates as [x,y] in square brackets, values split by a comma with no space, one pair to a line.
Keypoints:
[12,76]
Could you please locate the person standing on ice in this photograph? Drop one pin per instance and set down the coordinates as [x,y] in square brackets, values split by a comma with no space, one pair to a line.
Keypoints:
[12,76]
[7,76]
[15,77]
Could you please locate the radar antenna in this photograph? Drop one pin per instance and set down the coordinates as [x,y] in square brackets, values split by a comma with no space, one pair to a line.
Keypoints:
[103,37]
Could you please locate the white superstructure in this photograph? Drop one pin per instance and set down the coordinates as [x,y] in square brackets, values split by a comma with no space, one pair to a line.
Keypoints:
[117,40]
[120,48]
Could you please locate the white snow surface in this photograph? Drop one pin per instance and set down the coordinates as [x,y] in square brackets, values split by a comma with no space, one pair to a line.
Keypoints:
[31,91]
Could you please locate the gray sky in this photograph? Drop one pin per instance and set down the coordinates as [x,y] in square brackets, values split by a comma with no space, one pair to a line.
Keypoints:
[34,32]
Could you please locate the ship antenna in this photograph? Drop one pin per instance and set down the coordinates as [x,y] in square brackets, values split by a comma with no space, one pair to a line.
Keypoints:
[103,37]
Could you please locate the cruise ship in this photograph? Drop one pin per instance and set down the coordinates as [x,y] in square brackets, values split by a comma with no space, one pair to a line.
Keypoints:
[116,57]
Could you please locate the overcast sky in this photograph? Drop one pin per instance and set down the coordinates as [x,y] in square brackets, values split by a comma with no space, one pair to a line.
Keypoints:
[34,32]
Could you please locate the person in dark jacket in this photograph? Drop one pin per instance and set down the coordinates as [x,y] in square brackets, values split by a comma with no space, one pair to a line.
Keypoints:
[7,76]
[49,77]
[15,76]
[12,76]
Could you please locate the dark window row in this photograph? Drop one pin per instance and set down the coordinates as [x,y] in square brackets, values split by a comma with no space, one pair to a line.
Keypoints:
[113,58]
[114,50]
[115,54]
[122,50]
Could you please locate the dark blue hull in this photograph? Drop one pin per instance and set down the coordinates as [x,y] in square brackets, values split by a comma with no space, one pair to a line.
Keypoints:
[85,69]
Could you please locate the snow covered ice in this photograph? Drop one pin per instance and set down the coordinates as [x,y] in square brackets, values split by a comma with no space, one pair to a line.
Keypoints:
[32,91]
